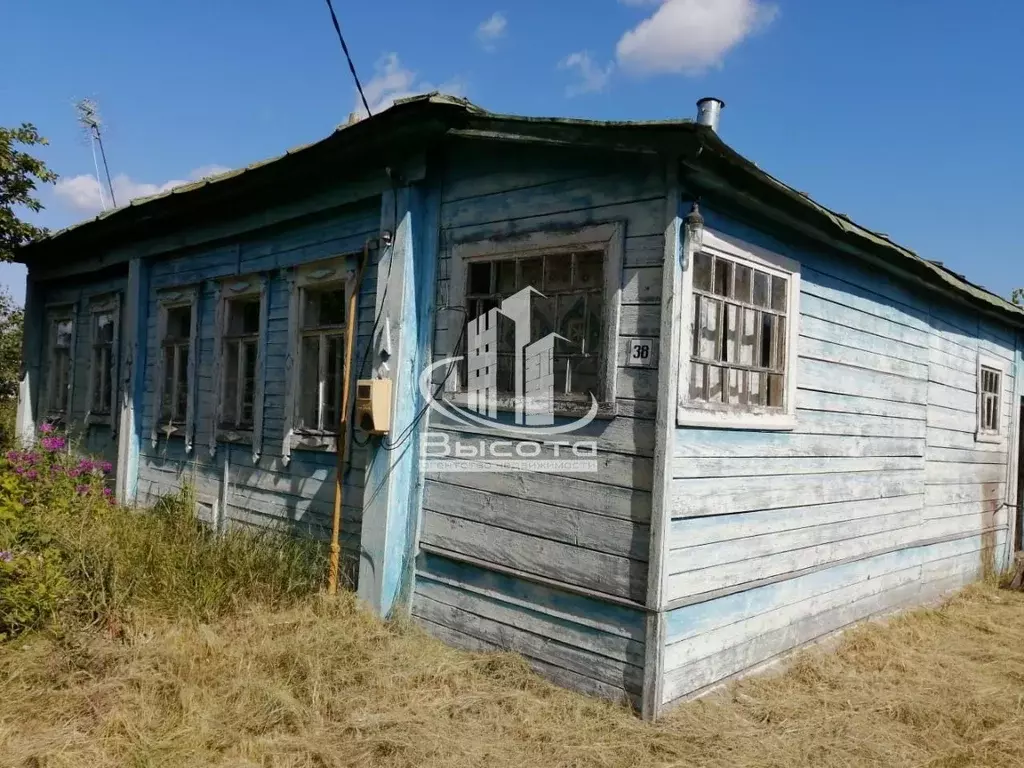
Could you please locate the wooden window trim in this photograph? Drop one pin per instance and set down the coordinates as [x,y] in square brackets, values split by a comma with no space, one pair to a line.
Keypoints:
[1001,367]
[173,298]
[57,313]
[328,273]
[111,304]
[691,413]
[228,290]
[606,236]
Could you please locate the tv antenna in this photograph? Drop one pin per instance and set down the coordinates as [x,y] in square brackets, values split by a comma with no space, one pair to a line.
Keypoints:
[89,118]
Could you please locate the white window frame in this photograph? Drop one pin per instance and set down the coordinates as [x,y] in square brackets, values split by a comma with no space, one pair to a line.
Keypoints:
[693,413]
[58,313]
[232,289]
[607,236]
[335,272]
[98,305]
[1001,367]
[176,298]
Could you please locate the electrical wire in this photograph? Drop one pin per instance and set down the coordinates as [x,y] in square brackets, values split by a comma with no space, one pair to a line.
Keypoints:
[351,66]
[406,433]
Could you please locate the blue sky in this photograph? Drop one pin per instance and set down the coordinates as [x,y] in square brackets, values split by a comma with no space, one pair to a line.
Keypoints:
[905,115]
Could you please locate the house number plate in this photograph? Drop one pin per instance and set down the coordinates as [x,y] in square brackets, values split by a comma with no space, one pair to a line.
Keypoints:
[641,353]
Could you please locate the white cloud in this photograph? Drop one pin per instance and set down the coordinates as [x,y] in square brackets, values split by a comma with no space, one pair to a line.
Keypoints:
[689,36]
[491,30]
[592,77]
[83,193]
[391,81]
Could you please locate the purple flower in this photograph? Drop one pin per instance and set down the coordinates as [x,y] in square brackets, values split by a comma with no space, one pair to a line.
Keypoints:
[5,556]
[106,466]
[13,456]
[82,489]
[107,492]
[46,428]
[74,472]
[53,444]
[19,470]
[31,474]
[30,458]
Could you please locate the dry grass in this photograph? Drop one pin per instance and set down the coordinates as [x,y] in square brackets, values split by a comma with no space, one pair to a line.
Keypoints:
[325,684]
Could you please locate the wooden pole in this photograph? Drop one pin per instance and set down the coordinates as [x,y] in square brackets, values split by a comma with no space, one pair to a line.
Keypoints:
[351,321]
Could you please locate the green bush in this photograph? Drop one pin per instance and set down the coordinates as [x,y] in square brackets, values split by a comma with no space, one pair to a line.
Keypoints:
[68,553]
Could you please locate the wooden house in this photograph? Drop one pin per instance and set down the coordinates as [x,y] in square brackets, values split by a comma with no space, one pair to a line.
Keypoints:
[797,423]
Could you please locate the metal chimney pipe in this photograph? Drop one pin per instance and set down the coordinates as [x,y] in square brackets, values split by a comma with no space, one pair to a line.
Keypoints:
[709,112]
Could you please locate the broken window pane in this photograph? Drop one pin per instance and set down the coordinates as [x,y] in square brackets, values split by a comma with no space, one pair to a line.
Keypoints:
[479,277]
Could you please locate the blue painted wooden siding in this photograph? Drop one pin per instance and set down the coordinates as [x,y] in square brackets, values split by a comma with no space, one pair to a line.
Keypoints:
[299,495]
[711,641]
[588,530]
[98,440]
[883,457]
[578,642]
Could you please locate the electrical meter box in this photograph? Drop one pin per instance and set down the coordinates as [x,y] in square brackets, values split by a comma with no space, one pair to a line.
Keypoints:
[373,406]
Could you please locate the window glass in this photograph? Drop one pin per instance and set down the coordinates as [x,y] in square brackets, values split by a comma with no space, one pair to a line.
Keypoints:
[321,352]
[570,303]
[176,344]
[989,402]
[738,355]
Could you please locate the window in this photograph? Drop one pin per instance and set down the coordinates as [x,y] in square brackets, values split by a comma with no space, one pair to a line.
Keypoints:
[572,282]
[317,320]
[177,324]
[239,347]
[991,374]
[176,343]
[59,379]
[321,350]
[571,288]
[740,330]
[104,335]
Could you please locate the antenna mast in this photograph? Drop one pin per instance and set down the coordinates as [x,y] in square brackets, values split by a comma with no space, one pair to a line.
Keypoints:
[88,116]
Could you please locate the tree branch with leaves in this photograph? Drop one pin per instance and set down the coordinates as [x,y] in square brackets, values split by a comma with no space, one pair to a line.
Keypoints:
[20,172]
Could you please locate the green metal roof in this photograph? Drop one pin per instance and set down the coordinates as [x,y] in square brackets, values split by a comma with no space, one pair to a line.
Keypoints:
[708,154]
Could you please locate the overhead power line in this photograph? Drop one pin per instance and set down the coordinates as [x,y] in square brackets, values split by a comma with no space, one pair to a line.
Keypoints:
[348,57]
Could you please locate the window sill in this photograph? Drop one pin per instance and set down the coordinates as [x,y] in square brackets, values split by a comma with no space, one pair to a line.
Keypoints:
[988,437]
[235,436]
[312,441]
[171,430]
[561,409]
[755,422]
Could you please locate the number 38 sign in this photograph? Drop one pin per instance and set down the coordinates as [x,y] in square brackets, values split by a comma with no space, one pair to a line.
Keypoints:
[641,353]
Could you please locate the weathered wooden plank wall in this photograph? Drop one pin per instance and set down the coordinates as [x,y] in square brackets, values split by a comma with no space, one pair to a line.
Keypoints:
[576,641]
[584,532]
[298,495]
[880,497]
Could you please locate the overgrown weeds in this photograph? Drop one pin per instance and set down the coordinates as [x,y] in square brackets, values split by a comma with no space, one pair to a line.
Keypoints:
[68,554]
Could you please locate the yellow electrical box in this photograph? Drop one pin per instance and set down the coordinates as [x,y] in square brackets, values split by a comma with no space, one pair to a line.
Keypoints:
[373,406]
